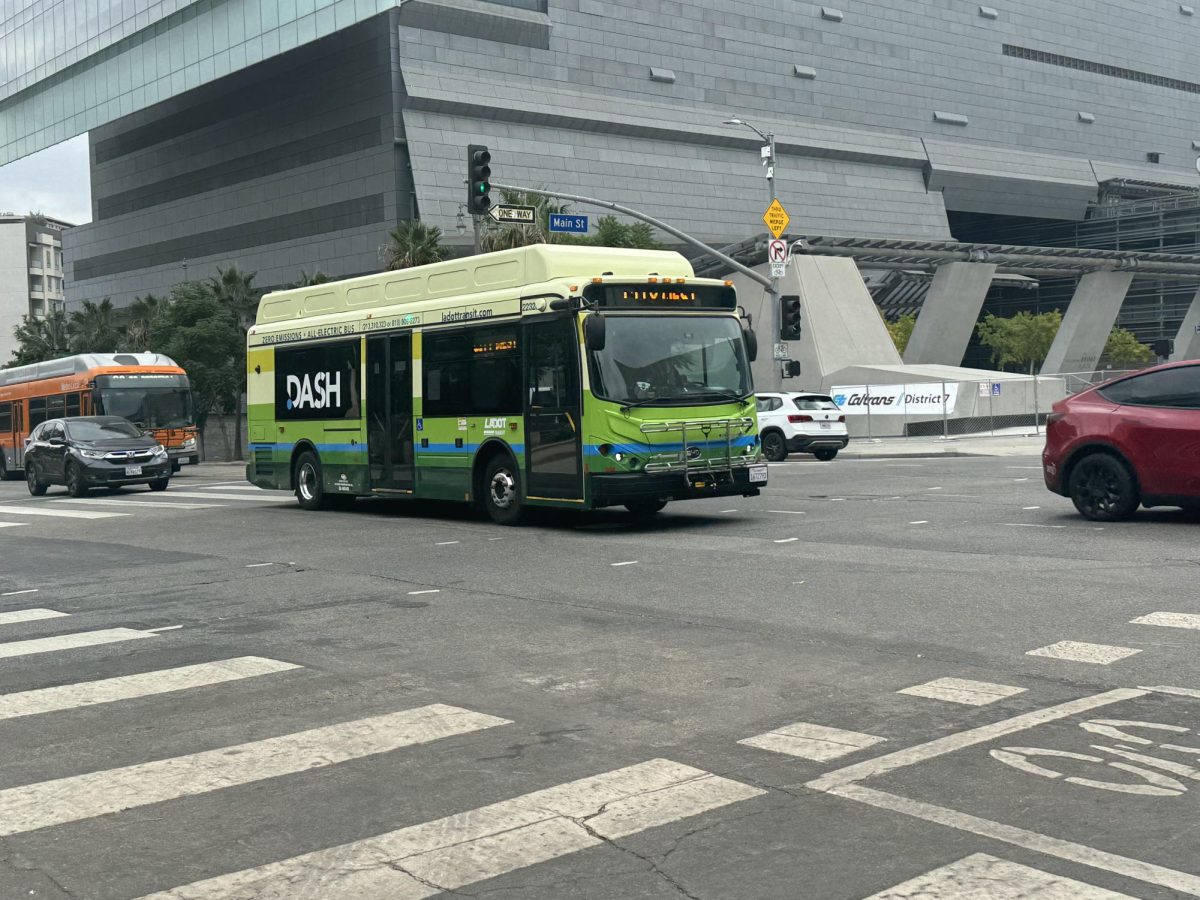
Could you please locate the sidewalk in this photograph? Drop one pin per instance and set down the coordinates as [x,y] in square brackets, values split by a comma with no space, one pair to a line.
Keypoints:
[1025,444]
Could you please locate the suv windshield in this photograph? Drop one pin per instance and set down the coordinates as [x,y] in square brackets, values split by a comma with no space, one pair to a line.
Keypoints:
[149,407]
[661,360]
[810,403]
[101,430]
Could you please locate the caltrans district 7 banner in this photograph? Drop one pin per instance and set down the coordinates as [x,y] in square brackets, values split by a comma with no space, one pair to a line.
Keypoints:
[928,399]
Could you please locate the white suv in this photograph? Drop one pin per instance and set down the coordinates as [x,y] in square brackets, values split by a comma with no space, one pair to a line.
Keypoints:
[800,423]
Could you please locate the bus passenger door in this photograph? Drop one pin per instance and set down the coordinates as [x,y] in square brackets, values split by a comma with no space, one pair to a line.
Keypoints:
[389,411]
[553,443]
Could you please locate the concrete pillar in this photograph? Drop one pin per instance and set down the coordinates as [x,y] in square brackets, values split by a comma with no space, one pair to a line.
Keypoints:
[842,325]
[949,313]
[1187,342]
[1088,322]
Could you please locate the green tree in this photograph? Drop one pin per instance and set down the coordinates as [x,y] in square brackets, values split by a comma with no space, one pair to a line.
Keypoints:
[307,280]
[139,316]
[612,232]
[235,290]
[901,330]
[1122,348]
[200,332]
[1022,340]
[413,243]
[41,339]
[93,328]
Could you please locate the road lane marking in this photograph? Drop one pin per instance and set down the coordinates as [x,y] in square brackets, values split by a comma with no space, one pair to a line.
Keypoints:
[1027,508]
[162,628]
[136,500]
[1177,691]
[71,641]
[628,562]
[207,495]
[128,687]
[1029,525]
[415,593]
[881,765]
[816,742]
[15,593]
[1029,840]
[728,510]
[935,488]
[920,522]
[258,565]
[234,486]
[981,875]
[1023,467]
[786,540]
[1169,620]
[78,797]
[962,690]
[1082,651]
[463,849]
[788,512]
[29,615]
[445,543]
[1019,480]
[59,513]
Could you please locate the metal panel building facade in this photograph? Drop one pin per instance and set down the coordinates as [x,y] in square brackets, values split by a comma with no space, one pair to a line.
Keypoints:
[292,135]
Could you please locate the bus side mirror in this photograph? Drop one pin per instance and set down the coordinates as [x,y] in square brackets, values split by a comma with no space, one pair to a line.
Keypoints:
[593,332]
[751,340]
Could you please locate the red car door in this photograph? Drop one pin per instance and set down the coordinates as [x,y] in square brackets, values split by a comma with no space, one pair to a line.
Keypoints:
[1158,423]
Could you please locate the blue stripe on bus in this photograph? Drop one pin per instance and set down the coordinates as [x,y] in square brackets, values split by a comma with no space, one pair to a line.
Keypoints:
[673,447]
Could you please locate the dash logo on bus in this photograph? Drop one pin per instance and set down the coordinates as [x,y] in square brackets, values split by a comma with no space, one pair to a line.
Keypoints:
[320,391]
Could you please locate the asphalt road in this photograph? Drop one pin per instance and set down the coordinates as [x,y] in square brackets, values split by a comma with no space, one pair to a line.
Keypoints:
[210,687]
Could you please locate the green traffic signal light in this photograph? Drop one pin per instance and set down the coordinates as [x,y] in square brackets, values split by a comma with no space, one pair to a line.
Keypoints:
[479,173]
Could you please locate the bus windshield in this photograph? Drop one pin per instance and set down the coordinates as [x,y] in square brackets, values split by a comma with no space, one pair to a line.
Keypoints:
[149,407]
[671,360]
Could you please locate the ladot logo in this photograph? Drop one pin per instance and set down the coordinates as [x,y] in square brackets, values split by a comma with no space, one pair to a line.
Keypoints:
[320,391]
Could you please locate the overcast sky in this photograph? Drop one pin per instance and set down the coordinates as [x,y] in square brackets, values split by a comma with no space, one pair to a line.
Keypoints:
[53,182]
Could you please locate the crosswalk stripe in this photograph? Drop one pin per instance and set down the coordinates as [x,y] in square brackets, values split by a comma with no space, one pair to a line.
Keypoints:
[79,797]
[71,641]
[213,495]
[815,742]
[29,615]
[981,875]
[232,487]
[1082,651]
[962,690]
[466,848]
[1169,620]
[136,500]
[58,513]
[144,684]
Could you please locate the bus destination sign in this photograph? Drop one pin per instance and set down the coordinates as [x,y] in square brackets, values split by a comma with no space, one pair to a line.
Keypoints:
[674,296]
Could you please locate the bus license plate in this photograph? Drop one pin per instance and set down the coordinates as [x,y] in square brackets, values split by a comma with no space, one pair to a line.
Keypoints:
[758,474]
[133,470]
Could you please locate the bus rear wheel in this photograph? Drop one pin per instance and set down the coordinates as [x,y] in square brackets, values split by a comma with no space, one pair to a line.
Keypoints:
[309,482]
[502,491]
[644,509]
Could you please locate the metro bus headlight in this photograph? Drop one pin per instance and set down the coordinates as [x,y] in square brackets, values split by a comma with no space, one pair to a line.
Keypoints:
[189,444]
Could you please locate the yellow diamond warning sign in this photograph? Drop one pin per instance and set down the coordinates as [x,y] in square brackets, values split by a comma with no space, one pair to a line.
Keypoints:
[776,218]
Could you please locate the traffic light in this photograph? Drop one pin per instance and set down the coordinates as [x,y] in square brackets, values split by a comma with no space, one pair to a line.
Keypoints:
[790,319]
[479,175]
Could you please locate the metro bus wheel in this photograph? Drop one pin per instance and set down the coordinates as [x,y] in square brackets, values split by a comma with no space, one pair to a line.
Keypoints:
[644,509]
[502,491]
[36,487]
[309,482]
[77,486]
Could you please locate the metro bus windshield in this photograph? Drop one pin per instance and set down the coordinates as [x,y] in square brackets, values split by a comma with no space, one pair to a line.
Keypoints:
[671,360]
[149,407]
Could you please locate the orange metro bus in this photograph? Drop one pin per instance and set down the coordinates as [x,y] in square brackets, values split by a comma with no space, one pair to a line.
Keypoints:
[148,389]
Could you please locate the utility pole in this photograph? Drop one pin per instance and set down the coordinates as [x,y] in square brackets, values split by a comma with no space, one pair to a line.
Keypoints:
[769,284]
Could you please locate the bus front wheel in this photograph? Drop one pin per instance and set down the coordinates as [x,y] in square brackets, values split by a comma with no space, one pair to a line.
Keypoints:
[310,487]
[502,491]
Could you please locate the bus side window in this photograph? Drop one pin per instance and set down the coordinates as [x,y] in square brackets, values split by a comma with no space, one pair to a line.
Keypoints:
[73,405]
[56,406]
[37,412]
[6,418]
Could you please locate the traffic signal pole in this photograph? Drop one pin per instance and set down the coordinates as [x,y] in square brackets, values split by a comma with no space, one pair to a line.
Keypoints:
[769,284]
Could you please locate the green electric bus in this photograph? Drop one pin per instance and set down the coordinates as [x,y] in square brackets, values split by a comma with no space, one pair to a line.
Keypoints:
[550,375]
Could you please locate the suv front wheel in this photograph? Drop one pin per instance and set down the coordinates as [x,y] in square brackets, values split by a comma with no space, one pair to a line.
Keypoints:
[1102,488]
[37,487]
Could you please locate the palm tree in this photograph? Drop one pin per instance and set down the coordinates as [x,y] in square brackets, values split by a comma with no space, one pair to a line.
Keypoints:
[236,290]
[413,243]
[91,328]
[140,315]
[41,339]
[307,280]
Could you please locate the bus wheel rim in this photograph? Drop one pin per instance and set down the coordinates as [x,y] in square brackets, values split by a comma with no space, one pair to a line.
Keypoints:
[308,481]
[503,489]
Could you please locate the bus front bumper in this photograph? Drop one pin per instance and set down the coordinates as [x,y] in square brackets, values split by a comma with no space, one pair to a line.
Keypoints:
[635,487]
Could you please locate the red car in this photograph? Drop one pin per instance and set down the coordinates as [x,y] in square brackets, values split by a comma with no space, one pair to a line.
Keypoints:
[1135,440]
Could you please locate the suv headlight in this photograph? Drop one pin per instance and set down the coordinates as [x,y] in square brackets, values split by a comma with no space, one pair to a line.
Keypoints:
[160,450]
[91,454]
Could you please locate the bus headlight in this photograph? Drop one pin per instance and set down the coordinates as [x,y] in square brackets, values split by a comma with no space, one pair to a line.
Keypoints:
[189,444]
